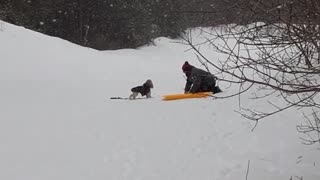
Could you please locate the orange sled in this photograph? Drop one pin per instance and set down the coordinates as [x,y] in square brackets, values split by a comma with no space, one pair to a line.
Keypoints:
[170,97]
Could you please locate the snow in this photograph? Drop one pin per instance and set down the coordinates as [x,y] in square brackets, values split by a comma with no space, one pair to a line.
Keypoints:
[57,121]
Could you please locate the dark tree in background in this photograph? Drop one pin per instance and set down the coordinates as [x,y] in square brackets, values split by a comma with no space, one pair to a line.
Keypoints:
[101,24]
[114,24]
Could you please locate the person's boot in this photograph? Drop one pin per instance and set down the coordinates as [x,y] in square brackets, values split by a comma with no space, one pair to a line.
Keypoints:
[216,89]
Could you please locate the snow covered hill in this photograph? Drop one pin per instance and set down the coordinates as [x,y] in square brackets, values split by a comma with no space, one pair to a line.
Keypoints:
[58,123]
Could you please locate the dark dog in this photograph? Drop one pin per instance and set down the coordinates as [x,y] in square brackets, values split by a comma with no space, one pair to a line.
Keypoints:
[144,90]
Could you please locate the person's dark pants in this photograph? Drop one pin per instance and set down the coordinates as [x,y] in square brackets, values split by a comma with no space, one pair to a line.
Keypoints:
[209,85]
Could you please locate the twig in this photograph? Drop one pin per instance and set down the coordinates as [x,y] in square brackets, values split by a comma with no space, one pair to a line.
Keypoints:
[247,174]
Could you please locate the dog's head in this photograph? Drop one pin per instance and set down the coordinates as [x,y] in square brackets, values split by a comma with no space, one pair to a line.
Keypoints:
[149,82]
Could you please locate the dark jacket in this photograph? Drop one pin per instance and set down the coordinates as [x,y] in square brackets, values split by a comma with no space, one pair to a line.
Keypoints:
[143,90]
[199,80]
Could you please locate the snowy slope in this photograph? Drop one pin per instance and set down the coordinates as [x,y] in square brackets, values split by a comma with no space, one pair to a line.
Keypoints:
[58,123]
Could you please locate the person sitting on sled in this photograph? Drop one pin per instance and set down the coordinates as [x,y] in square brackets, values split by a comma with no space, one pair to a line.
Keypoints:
[199,80]
[144,90]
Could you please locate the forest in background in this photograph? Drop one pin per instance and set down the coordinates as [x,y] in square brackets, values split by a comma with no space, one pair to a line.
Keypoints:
[116,24]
